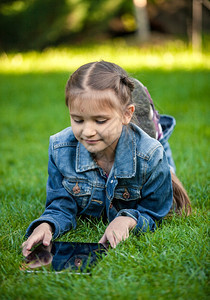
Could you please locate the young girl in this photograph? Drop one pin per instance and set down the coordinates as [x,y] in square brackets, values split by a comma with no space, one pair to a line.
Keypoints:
[104,164]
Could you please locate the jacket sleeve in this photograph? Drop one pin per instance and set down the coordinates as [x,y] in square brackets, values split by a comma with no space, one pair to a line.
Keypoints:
[156,194]
[61,209]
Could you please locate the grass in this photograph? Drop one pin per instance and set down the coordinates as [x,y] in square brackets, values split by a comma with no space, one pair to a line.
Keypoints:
[171,263]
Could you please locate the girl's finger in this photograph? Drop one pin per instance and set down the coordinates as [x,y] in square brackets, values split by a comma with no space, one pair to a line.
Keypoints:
[30,244]
[23,244]
[47,239]
[112,240]
[103,240]
[25,251]
[33,240]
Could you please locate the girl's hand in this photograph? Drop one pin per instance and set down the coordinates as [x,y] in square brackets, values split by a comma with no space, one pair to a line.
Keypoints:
[118,230]
[41,234]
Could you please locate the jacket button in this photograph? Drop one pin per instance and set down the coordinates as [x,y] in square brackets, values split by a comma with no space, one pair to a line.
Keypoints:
[126,194]
[76,189]
[78,262]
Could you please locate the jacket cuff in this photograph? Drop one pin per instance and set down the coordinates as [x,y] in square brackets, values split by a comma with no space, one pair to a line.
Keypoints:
[128,213]
[55,226]
[144,222]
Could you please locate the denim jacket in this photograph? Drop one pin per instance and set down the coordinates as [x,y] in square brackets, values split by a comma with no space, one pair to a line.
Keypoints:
[139,183]
[167,123]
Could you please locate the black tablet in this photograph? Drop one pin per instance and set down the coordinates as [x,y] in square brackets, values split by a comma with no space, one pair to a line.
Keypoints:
[71,256]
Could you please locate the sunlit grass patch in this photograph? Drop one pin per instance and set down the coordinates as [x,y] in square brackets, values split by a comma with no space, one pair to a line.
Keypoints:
[129,57]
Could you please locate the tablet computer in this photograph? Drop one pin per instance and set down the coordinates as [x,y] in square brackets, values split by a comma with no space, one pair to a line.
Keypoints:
[59,256]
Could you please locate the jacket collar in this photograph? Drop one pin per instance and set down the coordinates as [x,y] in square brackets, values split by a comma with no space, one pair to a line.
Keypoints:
[125,156]
[167,123]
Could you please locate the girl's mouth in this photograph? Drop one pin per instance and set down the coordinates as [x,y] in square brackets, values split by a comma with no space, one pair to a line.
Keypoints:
[91,142]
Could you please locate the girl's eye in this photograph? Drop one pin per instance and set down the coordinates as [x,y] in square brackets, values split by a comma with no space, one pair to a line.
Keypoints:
[78,121]
[101,121]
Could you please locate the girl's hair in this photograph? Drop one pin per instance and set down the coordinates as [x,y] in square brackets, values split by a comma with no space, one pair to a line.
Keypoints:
[95,80]
[149,123]
[181,201]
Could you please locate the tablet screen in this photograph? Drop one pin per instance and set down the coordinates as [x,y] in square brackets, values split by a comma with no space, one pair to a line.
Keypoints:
[59,256]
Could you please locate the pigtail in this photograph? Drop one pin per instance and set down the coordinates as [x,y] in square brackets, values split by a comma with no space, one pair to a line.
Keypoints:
[181,202]
[127,82]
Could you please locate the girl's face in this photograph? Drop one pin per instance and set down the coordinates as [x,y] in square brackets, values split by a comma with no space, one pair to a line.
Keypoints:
[96,128]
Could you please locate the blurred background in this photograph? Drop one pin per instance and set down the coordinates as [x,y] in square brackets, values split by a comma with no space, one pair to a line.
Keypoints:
[38,24]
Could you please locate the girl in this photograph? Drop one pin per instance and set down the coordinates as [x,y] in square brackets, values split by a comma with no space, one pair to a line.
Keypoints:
[104,164]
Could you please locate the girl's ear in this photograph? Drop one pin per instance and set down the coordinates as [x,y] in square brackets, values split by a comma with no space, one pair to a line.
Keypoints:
[128,114]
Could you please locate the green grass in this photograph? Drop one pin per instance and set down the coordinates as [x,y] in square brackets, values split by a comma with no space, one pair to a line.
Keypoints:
[171,263]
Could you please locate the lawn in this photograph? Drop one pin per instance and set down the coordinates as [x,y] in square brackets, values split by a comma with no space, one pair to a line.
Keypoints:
[171,263]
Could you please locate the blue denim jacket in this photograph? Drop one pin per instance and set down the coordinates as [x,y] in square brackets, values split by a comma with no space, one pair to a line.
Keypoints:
[167,123]
[139,184]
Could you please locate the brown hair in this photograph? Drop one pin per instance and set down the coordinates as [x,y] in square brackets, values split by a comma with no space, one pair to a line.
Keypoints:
[181,201]
[92,79]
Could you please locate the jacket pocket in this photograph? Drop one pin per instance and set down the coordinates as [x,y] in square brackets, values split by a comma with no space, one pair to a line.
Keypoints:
[126,198]
[81,191]
[127,193]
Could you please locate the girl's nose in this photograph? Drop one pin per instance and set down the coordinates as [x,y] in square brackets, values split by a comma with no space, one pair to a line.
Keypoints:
[88,130]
